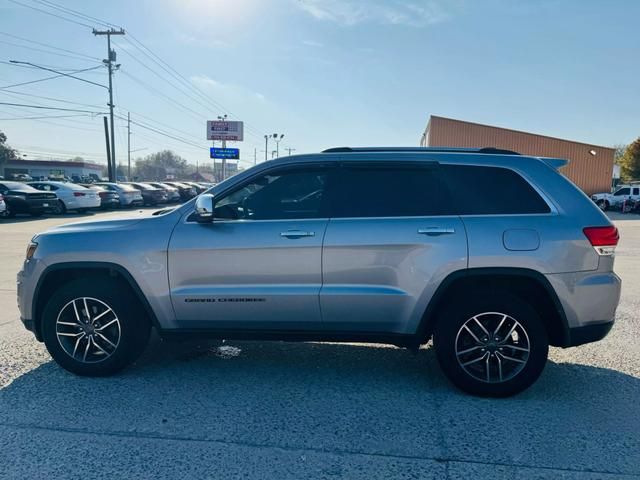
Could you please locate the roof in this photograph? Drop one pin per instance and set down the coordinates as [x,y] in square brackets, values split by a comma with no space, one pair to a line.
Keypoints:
[485,150]
[431,117]
[53,163]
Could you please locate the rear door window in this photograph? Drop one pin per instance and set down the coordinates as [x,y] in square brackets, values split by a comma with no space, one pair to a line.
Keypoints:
[484,190]
[389,189]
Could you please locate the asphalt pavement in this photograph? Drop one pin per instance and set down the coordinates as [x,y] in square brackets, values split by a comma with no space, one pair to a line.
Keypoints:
[314,410]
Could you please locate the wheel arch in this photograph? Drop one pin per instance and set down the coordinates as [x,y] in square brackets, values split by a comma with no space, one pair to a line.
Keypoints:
[530,285]
[55,275]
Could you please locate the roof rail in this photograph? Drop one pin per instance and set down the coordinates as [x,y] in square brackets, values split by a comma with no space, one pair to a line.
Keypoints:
[486,150]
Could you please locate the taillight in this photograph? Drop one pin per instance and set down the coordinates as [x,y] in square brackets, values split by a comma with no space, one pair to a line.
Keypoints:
[102,194]
[603,239]
[79,194]
[1,198]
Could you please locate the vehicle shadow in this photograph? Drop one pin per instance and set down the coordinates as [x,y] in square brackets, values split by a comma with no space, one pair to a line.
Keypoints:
[340,398]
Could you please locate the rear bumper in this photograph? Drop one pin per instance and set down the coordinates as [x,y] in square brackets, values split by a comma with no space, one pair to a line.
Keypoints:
[587,298]
[589,333]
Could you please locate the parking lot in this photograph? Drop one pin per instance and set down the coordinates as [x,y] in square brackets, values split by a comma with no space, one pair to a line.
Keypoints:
[311,410]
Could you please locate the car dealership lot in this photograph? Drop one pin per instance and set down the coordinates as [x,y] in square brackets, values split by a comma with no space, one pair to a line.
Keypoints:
[279,410]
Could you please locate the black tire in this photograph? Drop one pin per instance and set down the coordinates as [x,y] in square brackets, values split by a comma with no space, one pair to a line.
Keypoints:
[9,212]
[134,325]
[59,208]
[603,205]
[446,339]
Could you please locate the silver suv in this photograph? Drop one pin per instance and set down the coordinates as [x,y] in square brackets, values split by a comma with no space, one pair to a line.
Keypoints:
[354,245]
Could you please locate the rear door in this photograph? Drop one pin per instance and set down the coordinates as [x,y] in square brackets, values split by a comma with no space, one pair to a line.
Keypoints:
[392,238]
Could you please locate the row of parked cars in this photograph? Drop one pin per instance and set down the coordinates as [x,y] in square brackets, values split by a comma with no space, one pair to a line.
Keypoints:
[39,197]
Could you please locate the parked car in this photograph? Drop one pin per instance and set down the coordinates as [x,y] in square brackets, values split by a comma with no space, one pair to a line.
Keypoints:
[21,177]
[187,192]
[624,193]
[173,195]
[22,198]
[198,188]
[3,206]
[365,245]
[108,198]
[129,196]
[150,195]
[70,196]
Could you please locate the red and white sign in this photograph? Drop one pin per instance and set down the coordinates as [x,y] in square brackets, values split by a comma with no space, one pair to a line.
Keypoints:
[224,130]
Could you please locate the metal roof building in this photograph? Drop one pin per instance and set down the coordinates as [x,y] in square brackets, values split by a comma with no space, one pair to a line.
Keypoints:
[590,166]
[55,168]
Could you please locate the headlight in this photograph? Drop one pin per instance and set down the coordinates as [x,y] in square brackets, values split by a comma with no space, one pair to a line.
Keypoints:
[31,249]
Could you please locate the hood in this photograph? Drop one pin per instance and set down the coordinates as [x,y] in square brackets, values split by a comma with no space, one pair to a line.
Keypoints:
[97,225]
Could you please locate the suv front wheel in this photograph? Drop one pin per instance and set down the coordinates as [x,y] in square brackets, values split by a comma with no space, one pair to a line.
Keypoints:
[494,344]
[94,326]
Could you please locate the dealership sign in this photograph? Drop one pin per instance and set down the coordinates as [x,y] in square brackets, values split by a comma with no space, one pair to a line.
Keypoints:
[228,153]
[224,130]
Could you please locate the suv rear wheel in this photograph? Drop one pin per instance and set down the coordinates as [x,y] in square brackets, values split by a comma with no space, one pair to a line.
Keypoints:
[94,327]
[494,345]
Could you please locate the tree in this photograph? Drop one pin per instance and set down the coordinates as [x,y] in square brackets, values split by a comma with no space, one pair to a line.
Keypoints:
[158,165]
[619,153]
[630,162]
[77,159]
[6,152]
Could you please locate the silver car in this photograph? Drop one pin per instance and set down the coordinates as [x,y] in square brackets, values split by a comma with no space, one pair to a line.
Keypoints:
[353,245]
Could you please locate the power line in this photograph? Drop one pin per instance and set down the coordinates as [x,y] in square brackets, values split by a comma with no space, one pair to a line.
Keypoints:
[49,13]
[53,99]
[60,74]
[40,118]
[49,108]
[75,13]
[74,55]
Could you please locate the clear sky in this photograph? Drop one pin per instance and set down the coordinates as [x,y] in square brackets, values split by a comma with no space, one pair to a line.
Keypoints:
[323,72]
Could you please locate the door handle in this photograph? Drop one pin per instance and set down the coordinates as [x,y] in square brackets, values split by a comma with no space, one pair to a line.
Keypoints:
[434,231]
[297,234]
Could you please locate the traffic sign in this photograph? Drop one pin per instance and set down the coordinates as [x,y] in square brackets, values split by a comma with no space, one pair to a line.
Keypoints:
[225,130]
[226,153]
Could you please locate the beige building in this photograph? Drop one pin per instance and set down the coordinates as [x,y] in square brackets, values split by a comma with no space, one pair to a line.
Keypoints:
[590,166]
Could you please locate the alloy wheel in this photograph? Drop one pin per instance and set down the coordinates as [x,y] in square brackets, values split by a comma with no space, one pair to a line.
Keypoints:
[492,347]
[88,330]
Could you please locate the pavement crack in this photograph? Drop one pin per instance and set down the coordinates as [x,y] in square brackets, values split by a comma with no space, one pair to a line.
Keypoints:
[178,438]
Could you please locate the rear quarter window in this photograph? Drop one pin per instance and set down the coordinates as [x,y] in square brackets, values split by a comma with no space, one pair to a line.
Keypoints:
[483,190]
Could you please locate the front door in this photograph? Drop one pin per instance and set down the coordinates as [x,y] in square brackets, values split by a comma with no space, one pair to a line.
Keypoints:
[258,265]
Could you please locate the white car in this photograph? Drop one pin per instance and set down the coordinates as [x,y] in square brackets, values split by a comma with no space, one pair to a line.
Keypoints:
[615,199]
[70,196]
[129,196]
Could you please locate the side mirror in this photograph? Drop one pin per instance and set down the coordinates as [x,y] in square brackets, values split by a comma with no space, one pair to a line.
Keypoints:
[204,208]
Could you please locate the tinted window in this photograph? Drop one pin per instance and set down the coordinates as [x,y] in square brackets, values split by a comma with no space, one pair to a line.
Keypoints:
[492,191]
[280,195]
[636,191]
[398,190]
[622,191]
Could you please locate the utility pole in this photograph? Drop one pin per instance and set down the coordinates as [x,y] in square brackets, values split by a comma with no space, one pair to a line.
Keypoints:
[266,147]
[255,156]
[106,139]
[223,118]
[111,57]
[289,149]
[129,146]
